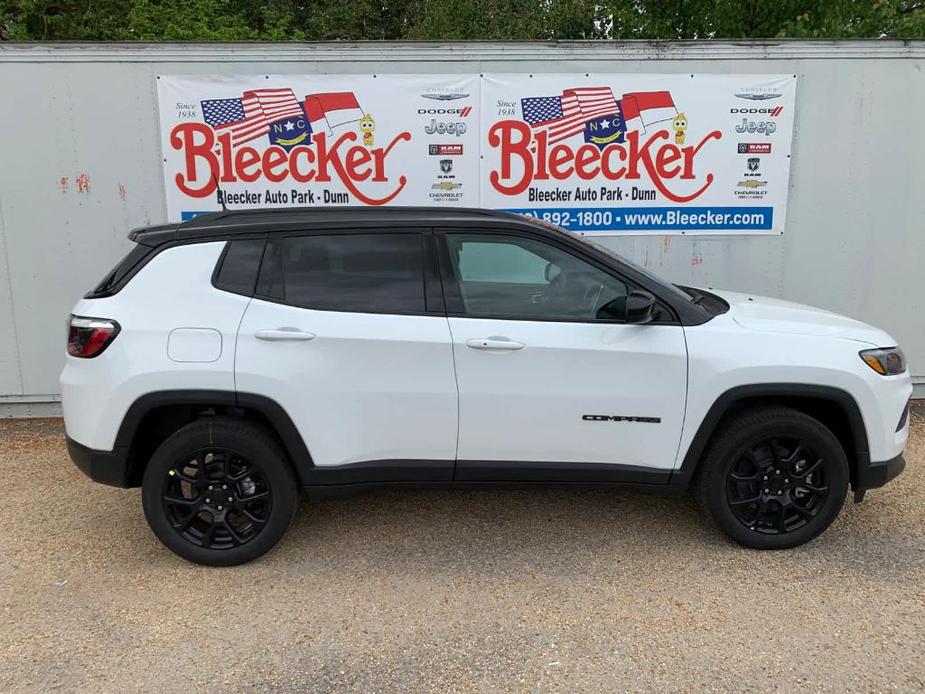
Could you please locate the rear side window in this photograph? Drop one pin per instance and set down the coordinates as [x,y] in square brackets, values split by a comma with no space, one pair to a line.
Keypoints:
[116,278]
[379,273]
[237,270]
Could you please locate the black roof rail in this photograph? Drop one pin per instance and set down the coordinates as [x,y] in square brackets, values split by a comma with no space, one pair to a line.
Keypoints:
[226,222]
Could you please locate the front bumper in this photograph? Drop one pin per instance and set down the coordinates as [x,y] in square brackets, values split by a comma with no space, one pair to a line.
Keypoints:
[877,474]
[105,467]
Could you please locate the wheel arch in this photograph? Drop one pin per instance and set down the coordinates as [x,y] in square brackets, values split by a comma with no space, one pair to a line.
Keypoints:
[835,408]
[155,416]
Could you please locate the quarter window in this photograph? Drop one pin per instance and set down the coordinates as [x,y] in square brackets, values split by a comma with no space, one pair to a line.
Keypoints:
[381,273]
[239,266]
[518,277]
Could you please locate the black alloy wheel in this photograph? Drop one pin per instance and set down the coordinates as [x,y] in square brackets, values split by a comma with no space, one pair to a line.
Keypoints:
[773,477]
[777,486]
[220,491]
[217,499]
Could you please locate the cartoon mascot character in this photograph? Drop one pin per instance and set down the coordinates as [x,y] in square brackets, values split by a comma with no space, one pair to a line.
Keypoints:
[679,125]
[367,126]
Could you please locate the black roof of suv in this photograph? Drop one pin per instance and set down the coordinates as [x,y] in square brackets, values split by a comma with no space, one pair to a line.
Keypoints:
[281,219]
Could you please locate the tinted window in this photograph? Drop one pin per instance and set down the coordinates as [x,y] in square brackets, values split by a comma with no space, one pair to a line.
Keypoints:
[484,261]
[523,278]
[350,272]
[239,266]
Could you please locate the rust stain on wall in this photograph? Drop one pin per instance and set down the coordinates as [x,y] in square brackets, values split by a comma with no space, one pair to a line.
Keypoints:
[63,183]
[696,254]
[122,191]
[83,183]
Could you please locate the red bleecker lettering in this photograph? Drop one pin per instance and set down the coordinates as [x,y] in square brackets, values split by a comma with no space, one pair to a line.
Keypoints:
[275,164]
[530,156]
[184,138]
[332,156]
[560,158]
[350,164]
[690,152]
[586,162]
[380,154]
[227,151]
[643,154]
[297,173]
[513,137]
[247,164]
[606,156]
[357,158]
[665,157]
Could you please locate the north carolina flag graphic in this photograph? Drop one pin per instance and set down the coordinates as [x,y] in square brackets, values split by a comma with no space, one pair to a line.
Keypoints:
[564,116]
[642,110]
[249,116]
[332,109]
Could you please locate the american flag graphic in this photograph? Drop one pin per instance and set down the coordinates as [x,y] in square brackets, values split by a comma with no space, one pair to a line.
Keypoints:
[564,116]
[250,116]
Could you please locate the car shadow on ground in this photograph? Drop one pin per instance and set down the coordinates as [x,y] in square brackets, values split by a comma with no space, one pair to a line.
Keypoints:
[553,529]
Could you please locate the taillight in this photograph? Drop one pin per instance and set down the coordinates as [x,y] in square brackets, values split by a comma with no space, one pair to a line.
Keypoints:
[88,337]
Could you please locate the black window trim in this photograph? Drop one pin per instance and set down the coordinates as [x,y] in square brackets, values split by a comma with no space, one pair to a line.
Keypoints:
[433,294]
[453,295]
[119,276]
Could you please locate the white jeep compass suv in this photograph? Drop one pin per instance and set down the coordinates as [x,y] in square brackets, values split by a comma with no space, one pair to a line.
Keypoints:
[233,359]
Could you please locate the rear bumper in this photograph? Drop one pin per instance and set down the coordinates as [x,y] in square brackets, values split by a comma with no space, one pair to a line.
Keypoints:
[875,475]
[105,467]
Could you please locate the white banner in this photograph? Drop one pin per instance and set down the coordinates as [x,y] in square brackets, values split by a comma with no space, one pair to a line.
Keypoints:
[640,153]
[282,141]
[600,153]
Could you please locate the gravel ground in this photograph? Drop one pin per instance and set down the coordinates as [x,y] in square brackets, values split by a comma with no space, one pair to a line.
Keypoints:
[454,591]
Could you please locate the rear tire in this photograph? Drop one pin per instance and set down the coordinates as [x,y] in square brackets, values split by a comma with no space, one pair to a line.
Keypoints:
[219,492]
[773,478]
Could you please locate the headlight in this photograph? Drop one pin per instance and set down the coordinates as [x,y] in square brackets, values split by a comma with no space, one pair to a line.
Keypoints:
[888,361]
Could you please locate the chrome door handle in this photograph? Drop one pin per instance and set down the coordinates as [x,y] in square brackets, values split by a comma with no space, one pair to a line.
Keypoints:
[494,343]
[281,334]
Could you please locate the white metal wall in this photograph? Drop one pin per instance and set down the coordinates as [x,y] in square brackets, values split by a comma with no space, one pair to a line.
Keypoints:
[80,165]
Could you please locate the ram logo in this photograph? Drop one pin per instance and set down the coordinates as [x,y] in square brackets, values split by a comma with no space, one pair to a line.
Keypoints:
[620,418]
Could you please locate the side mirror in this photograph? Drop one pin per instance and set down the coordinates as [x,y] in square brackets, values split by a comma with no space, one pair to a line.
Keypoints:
[552,271]
[640,307]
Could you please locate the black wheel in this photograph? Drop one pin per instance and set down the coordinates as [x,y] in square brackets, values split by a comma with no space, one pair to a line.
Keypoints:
[219,492]
[773,478]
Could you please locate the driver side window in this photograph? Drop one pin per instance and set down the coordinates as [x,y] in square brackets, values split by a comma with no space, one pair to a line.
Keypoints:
[518,277]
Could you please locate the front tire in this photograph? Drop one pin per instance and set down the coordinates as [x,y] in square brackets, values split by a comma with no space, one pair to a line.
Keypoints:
[773,478]
[219,492]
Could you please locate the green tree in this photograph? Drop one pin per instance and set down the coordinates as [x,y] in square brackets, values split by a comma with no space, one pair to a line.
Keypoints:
[186,20]
[756,19]
[505,19]
[280,20]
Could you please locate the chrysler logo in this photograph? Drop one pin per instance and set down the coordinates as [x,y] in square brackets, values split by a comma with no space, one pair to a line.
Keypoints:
[758,96]
[447,96]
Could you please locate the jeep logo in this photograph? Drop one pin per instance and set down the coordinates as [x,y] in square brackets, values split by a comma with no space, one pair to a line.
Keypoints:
[763,127]
[456,128]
